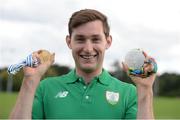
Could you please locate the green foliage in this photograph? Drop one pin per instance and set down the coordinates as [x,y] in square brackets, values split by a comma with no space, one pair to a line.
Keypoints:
[4,77]
[169,85]
[56,70]
[17,80]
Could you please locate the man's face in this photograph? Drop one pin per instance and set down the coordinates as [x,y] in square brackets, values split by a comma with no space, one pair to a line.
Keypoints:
[88,44]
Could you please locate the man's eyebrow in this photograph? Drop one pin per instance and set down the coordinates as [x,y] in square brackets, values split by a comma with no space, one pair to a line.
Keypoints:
[96,35]
[79,36]
[83,36]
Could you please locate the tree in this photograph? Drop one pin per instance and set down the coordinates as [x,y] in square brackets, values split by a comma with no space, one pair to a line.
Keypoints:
[169,84]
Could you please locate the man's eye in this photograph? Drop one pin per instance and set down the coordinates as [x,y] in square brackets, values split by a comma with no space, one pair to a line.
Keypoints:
[96,40]
[80,40]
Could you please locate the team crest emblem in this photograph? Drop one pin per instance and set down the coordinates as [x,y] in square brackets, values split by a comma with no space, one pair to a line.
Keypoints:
[112,97]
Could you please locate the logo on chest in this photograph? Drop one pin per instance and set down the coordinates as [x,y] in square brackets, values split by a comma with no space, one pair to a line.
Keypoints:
[112,97]
[61,94]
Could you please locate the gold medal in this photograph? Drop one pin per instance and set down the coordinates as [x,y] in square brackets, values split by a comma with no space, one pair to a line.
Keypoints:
[44,56]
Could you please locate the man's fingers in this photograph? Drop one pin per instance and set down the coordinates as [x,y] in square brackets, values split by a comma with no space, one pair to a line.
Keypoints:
[124,67]
[52,58]
[150,65]
[145,54]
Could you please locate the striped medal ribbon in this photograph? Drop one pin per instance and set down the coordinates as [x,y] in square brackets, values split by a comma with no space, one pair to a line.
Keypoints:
[29,61]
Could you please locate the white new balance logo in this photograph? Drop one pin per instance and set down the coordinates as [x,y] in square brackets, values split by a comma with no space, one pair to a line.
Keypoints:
[62,94]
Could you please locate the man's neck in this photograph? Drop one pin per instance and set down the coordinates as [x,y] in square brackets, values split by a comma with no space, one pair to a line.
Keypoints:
[88,76]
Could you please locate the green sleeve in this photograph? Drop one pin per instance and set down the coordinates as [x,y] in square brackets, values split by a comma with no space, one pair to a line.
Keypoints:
[131,109]
[37,109]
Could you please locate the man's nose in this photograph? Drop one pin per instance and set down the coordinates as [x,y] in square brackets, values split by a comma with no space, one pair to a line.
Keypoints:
[88,47]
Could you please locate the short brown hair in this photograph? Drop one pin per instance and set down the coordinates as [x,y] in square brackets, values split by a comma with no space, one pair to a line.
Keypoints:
[87,15]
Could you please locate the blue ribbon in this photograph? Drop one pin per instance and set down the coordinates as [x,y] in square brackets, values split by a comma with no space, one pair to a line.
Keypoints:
[29,61]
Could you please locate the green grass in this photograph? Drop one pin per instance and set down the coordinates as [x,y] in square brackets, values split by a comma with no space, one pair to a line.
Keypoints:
[167,108]
[7,101]
[164,108]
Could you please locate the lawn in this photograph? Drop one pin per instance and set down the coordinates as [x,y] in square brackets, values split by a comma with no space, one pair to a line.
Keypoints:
[164,108]
[167,108]
[7,101]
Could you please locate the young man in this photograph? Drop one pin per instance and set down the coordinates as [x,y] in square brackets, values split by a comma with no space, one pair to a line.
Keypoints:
[88,91]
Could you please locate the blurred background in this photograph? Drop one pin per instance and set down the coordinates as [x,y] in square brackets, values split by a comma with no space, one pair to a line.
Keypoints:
[30,25]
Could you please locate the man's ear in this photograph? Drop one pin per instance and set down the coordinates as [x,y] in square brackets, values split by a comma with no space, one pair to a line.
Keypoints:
[109,41]
[68,41]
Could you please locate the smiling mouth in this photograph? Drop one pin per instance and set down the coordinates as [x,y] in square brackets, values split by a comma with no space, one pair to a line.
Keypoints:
[88,56]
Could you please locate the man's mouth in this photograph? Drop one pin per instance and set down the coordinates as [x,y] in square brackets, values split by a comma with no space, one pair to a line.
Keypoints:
[88,56]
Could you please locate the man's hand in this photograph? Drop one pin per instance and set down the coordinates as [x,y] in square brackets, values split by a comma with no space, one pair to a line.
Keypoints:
[144,88]
[44,64]
[32,76]
[148,68]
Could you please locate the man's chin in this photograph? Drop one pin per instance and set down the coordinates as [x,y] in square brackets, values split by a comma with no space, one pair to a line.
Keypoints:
[88,69]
